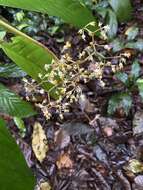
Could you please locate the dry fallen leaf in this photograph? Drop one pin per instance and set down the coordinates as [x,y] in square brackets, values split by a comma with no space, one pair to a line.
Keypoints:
[77,128]
[138,123]
[108,131]
[62,138]
[139,180]
[39,142]
[85,104]
[64,161]
[45,186]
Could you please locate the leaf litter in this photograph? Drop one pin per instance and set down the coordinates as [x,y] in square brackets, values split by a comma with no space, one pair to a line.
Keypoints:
[64,161]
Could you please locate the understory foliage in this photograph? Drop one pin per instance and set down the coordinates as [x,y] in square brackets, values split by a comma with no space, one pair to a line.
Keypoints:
[55,82]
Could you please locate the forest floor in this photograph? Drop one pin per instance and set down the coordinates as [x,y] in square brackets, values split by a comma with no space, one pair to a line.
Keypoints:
[88,149]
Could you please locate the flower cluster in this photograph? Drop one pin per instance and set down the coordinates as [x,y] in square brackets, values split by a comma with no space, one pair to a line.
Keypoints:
[67,75]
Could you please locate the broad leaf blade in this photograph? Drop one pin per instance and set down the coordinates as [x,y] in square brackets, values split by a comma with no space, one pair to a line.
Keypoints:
[30,55]
[26,55]
[13,105]
[121,100]
[14,172]
[71,11]
[123,9]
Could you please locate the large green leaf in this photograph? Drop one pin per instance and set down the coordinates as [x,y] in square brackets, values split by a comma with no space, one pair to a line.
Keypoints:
[14,172]
[13,105]
[30,55]
[122,8]
[71,11]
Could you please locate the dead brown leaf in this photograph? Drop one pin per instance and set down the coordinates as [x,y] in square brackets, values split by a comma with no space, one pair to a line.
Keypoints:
[138,123]
[85,104]
[64,161]
[108,131]
[62,138]
[139,180]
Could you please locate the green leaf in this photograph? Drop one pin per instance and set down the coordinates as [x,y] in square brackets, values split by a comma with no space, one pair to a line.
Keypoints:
[135,70]
[71,11]
[30,55]
[117,45]
[2,35]
[20,124]
[102,8]
[139,83]
[102,11]
[138,45]
[13,105]
[27,55]
[121,100]
[113,24]
[11,70]
[132,32]
[122,8]
[123,77]
[14,172]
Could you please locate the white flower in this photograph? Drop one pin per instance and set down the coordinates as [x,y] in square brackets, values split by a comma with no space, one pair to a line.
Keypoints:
[41,91]
[83,36]
[107,47]
[99,24]
[107,28]
[40,75]
[46,67]
[80,31]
